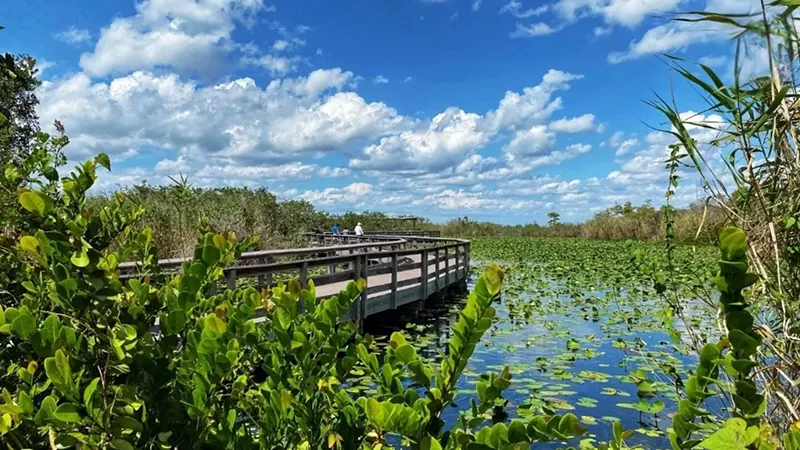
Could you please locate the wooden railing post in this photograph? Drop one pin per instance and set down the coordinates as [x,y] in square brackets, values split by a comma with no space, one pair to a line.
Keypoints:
[356,275]
[424,268]
[466,260]
[393,298]
[458,250]
[447,266]
[438,273]
[363,301]
[232,279]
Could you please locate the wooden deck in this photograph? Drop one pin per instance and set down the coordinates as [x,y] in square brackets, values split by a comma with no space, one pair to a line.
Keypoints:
[392,266]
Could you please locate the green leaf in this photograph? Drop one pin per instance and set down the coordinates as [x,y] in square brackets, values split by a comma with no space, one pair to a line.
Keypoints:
[733,244]
[80,259]
[67,412]
[46,411]
[406,353]
[214,324]
[103,160]
[374,411]
[29,244]
[25,403]
[89,392]
[175,321]
[58,371]
[429,443]
[24,325]
[35,202]
[743,342]
[121,444]
[735,435]
[210,255]
[494,278]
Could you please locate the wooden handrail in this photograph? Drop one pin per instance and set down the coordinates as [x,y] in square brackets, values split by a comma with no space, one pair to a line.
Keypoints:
[439,262]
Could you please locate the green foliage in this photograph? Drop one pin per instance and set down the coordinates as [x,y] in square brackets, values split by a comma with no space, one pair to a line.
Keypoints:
[166,361]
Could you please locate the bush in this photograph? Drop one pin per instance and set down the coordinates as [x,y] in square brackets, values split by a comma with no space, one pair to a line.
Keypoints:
[163,362]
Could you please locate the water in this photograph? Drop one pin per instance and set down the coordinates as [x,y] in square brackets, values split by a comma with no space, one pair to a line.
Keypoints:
[589,381]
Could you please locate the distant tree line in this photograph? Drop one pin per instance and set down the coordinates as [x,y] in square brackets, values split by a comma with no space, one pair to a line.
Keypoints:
[627,221]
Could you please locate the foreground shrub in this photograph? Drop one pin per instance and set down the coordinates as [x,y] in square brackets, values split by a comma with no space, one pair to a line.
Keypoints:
[161,361]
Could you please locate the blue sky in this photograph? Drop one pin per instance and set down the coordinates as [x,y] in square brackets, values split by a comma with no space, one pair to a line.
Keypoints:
[499,110]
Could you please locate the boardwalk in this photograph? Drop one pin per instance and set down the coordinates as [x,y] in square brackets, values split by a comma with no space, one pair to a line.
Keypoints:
[392,266]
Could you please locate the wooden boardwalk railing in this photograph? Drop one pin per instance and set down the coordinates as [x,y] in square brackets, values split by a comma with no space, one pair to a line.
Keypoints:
[399,269]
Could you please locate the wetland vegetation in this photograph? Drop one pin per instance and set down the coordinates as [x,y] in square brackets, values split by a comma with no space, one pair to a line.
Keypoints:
[562,342]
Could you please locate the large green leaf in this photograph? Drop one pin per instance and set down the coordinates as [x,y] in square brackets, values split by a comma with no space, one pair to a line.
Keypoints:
[67,412]
[35,202]
[24,325]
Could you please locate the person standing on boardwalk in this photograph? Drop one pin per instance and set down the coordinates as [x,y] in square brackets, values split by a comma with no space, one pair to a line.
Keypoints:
[359,230]
[335,229]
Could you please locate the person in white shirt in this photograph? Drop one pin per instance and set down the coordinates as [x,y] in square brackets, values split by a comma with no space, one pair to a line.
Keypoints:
[359,231]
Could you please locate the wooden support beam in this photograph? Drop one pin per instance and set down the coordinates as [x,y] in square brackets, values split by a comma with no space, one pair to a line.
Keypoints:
[365,275]
[231,279]
[357,305]
[446,266]
[424,270]
[394,282]
[438,272]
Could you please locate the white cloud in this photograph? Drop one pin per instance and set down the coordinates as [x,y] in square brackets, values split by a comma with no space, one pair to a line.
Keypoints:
[574,125]
[514,7]
[289,43]
[408,79]
[450,199]
[42,65]
[333,172]
[534,105]
[713,61]
[555,157]
[352,195]
[449,136]
[277,65]
[281,122]
[380,79]
[183,35]
[533,141]
[476,5]
[533,30]
[626,146]
[454,135]
[628,13]
[602,31]
[665,38]
[75,36]
[676,36]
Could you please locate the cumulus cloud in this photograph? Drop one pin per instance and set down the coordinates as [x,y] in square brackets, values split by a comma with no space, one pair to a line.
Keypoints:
[352,195]
[189,35]
[281,122]
[276,65]
[574,124]
[380,79]
[532,141]
[455,134]
[618,12]
[448,137]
